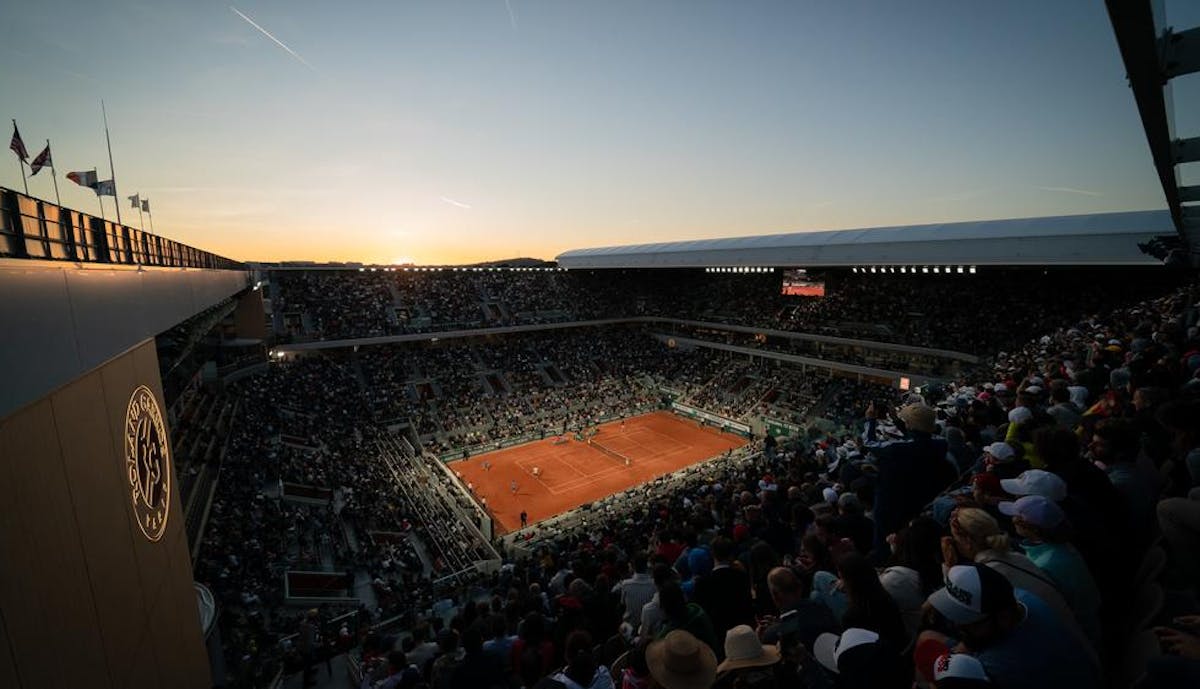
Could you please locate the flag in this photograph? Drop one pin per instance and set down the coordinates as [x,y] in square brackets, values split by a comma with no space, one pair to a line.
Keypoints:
[106,188]
[41,161]
[134,200]
[146,205]
[17,145]
[86,178]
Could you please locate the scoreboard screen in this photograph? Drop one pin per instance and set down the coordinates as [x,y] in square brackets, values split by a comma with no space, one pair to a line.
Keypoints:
[799,283]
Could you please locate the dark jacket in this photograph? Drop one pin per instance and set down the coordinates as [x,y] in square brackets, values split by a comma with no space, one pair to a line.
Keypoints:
[725,596]
[911,473]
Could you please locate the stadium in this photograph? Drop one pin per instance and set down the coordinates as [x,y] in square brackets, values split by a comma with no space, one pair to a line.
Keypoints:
[962,454]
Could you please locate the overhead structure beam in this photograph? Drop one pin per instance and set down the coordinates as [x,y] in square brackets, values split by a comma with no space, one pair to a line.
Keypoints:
[1181,52]
[1153,54]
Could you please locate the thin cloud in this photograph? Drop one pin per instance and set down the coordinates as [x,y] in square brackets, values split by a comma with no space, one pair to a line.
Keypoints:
[1069,190]
[512,16]
[452,202]
[268,35]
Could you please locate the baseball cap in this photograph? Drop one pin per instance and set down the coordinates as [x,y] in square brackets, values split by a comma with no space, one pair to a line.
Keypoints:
[837,652]
[1033,390]
[1020,415]
[1036,482]
[1035,509]
[999,388]
[959,670]
[830,495]
[973,592]
[1003,452]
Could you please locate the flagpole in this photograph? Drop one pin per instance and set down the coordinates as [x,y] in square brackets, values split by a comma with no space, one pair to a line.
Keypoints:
[100,200]
[151,214]
[21,163]
[53,174]
[112,172]
[141,220]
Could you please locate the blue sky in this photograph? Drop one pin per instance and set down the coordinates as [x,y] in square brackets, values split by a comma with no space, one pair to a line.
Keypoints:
[456,131]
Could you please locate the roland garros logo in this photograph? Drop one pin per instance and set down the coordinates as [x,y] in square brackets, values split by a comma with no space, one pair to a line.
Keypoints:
[147,462]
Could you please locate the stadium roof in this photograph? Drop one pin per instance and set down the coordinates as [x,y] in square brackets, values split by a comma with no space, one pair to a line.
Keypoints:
[1097,239]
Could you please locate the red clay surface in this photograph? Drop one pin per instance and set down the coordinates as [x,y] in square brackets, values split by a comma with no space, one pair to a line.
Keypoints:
[575,473]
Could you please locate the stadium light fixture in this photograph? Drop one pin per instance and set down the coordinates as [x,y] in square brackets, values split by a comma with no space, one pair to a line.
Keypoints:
[361,269]
[972,270]
[924,269]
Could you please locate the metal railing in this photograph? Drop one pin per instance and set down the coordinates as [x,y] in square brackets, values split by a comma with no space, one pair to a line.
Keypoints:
[35,229]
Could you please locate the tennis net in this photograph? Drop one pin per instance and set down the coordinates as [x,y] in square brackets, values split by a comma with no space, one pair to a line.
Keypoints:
[612,453]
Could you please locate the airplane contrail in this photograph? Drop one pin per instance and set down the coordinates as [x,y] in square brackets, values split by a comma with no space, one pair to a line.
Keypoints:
[268,35]
[1069,190]
[452,202]
[512,17]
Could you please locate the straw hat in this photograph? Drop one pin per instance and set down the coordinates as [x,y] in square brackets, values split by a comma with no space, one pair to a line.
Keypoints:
[681,661]
[743,649]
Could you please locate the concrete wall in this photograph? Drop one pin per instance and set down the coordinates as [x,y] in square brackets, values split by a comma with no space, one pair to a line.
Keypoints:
[87,599]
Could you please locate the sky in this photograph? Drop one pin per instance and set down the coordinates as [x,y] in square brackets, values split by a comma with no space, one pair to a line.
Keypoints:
[451,131]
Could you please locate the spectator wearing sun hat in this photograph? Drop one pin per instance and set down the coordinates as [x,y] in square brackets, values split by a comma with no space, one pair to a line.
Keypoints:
[681,661]
[748,662]
[1045,529]
[1019,642]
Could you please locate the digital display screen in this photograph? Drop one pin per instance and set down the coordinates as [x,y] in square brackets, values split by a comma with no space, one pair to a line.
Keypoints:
[799,283]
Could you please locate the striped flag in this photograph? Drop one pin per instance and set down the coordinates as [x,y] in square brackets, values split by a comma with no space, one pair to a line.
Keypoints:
[134,200]
[41,161]
[17,145]
[86,178]
[106,187]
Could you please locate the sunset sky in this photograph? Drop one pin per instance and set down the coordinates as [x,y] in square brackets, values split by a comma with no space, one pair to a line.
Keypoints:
[455,131]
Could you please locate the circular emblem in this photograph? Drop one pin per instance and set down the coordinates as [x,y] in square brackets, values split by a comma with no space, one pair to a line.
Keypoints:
[671,343]
[147,462]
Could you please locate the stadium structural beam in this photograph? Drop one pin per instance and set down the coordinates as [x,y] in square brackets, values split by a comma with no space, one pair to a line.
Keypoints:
[1189,194]
[1186,150]
[1152,56]
[1181,52]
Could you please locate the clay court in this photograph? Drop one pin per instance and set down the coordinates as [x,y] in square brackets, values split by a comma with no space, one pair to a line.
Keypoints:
[575,473]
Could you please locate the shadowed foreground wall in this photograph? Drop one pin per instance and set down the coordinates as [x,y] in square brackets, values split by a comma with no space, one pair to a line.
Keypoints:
[86,599]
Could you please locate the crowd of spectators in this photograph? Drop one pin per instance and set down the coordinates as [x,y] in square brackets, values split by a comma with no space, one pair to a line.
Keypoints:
[941,311]
[470,395]
[1035,523]
[852,557]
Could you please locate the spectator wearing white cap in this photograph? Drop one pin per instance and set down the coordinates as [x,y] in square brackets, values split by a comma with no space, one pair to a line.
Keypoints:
[959,671]
[1020,643]
[859,659]
[1045,529]
[1000,458]
[1036,482]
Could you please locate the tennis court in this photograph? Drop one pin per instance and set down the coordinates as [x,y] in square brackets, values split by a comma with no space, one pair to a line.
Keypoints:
[574,473]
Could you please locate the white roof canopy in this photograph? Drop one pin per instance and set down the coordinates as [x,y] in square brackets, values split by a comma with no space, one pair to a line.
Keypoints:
[1097,239]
